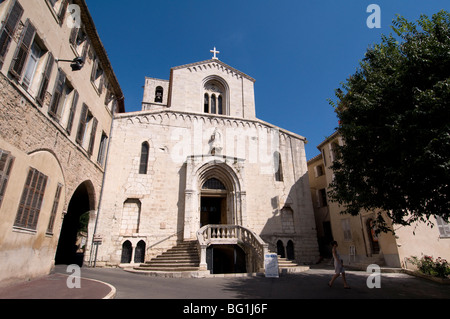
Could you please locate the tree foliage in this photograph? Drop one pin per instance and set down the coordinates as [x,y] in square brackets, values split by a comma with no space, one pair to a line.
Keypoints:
[394,116]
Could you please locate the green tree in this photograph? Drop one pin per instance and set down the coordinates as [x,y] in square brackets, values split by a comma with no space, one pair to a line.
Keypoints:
[394,116]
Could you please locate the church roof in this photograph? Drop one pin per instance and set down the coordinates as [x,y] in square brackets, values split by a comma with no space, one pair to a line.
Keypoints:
[217,61]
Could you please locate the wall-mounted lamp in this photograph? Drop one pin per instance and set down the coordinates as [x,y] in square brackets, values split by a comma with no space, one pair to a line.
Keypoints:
[76,64]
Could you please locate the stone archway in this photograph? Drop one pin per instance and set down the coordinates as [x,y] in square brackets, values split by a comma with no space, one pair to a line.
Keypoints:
[70,250]
[201,169]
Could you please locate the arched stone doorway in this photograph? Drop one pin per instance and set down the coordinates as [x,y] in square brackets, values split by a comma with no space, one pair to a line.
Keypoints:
[71,245]
[213,185]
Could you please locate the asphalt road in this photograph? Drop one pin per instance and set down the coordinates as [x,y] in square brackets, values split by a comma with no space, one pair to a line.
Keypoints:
[307,285]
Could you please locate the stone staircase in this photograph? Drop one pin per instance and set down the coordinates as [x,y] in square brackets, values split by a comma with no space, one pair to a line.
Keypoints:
[182,261]
[286,266]
[183,257]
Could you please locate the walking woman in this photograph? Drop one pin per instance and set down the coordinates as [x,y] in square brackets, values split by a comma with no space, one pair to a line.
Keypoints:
[338,266]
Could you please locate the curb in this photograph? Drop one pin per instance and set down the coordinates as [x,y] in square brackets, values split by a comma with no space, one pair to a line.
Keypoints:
[431,278]
[111,294]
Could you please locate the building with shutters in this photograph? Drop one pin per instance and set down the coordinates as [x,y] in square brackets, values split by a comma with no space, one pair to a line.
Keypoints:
[58,95]
[359,245]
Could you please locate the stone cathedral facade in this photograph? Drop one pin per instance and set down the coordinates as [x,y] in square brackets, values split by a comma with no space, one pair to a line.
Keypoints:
[196,161]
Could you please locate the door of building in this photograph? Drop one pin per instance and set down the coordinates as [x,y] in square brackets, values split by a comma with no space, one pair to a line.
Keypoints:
[211,211]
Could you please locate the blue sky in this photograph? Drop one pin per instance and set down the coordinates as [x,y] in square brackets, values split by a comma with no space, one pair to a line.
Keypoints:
[299,51]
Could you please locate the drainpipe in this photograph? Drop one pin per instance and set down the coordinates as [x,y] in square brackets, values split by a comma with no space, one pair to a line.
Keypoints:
[101,191]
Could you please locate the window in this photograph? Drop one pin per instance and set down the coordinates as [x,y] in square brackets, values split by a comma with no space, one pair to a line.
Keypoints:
[206,108]
[93,128]
[214,98]
[444,228]
[23,50]
[6,163]
[213,104]
[60,8]
[72,111]
[345,223]
[102,149]
[88,123]
[79,41]
[220,106]
[82,124]
[159,94]
[31,200]
[143,165]
[32,64]
[213,183]
[334,150]
[278,167]
[62,90]
[97,76]
[33,60]
[8,29]
[318,170]
[64,101]
[324,158]
[40,98]
[54,209]
[322,198]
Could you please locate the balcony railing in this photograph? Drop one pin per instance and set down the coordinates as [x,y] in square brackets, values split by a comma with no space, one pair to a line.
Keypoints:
[231,235]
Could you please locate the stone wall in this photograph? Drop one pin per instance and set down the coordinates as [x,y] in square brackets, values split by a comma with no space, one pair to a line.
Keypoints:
[26,131]
[173,138]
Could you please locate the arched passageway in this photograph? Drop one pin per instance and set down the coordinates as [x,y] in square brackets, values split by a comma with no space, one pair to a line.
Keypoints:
[72,240]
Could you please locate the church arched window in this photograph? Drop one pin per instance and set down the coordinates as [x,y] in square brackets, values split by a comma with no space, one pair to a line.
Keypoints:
[159,93]
[213,183]
[220,104]
[278,167]
[206,110]
[143,165]
[215,94]
[213,104]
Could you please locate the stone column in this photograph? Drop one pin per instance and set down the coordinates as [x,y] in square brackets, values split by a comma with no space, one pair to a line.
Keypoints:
[190,210]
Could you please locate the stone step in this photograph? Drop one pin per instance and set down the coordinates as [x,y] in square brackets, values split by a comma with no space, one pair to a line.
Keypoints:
[183,257]
[168,265]
[166,269]
[186,257]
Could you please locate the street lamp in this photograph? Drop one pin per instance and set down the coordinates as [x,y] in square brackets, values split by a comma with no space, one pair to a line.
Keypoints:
[76,64]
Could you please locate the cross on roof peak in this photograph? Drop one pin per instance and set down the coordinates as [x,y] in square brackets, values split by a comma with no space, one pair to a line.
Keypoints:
[215,53]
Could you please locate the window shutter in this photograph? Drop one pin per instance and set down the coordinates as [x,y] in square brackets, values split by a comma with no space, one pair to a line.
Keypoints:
[9,28]
[51,222]
[85,49]
[94,70]
[72,112]
[62,11]
[31,200]
[101,83]
[6,163]
[93,134]
[45,80]
[59,86]
[73,36]
[82,125]
[23,50]
[444,228]
[102,149]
